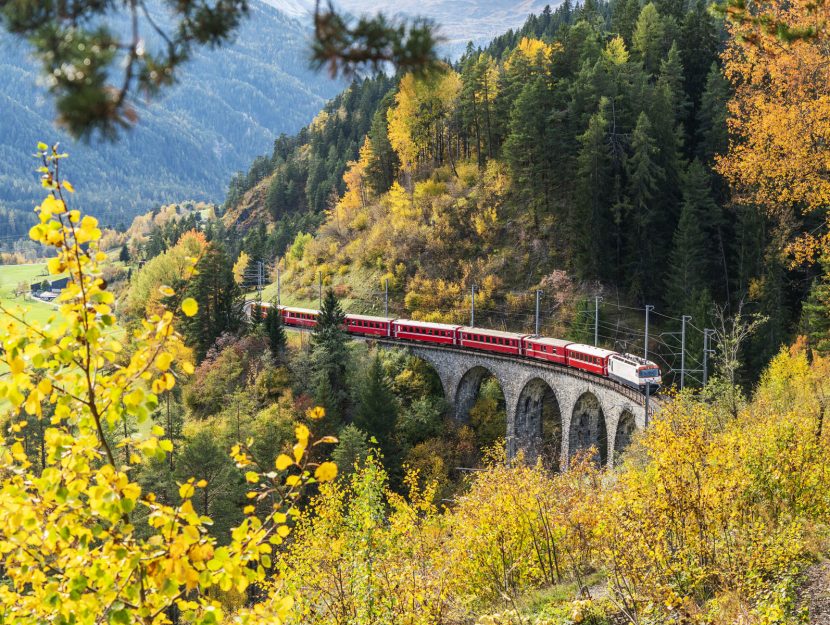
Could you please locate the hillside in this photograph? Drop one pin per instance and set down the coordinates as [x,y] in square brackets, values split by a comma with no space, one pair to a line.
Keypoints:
[575,155]
[229,106]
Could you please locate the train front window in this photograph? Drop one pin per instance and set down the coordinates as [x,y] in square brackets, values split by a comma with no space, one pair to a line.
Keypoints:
[648,373]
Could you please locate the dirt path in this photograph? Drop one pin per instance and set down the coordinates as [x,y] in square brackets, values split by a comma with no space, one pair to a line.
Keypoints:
[815,593]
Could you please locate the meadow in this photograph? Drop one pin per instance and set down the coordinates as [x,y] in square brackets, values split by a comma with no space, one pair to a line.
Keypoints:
[10,277]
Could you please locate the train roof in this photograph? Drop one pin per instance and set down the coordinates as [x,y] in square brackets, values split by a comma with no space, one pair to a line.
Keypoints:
[544,340]
[499,333]
[370,318]
[633,359]
[307,311]
[427,324]
[590,350]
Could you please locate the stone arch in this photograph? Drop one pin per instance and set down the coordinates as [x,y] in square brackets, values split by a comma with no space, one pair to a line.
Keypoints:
[468,389]
[626,426]
[438,369]
[587,428]
[538,423]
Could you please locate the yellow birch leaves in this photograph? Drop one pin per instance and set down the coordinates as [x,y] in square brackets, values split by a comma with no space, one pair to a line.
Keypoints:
[69,550]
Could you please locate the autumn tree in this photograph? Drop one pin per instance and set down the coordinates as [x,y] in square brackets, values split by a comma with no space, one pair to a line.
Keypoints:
[778,116]
[88,562]
[419,122]
[240,266]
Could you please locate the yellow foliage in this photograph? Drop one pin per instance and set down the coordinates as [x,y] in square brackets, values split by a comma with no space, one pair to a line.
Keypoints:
[531,50]
[615,51]
[780,115]
[240,266]
[365,554]
[410,131]
[166,269]
[68,540]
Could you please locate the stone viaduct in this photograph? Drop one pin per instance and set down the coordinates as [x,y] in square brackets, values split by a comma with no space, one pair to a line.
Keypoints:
[552,410]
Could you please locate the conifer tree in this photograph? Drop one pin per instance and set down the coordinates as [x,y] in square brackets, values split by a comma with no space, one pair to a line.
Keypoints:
[155,243]
[671,74]
[526,147]
[712,134]
[486,76]
[275,332]
[690,260]
[330,359]
[383,165]
[648,38]
[698,41]
[377,411]
[590,216]
[667,133]
[352,449]
[124,255]
[219,298]
[645,176]
[624,18]
[816,312]
[203,457]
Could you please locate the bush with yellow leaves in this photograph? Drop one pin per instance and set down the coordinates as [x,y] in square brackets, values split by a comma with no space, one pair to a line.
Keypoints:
[521,527]
[362,554]
[69,549]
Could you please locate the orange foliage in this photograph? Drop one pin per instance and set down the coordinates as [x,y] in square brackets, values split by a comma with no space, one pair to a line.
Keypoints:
[780,114]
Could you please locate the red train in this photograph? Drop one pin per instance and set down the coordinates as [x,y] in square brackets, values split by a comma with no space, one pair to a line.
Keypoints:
[627,369]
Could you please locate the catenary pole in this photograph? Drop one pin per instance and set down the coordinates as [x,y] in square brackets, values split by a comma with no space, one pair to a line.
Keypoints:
[683,321]
[472,305]
[597,300]
[707,337]
[649,308]
[538,298]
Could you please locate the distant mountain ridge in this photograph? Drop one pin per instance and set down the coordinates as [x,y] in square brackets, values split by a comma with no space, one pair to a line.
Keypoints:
[230,105]
[459,21]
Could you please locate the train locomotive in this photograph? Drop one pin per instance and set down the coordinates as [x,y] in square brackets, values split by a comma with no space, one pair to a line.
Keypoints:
[628,369]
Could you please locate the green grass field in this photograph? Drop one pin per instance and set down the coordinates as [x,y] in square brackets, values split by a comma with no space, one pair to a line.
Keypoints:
[11,276]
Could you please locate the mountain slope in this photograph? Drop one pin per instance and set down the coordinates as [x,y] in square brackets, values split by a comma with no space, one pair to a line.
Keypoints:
[459,21]
[230,105]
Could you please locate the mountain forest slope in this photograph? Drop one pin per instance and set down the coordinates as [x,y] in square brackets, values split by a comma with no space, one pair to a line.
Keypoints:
[229,106]
[576,152]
